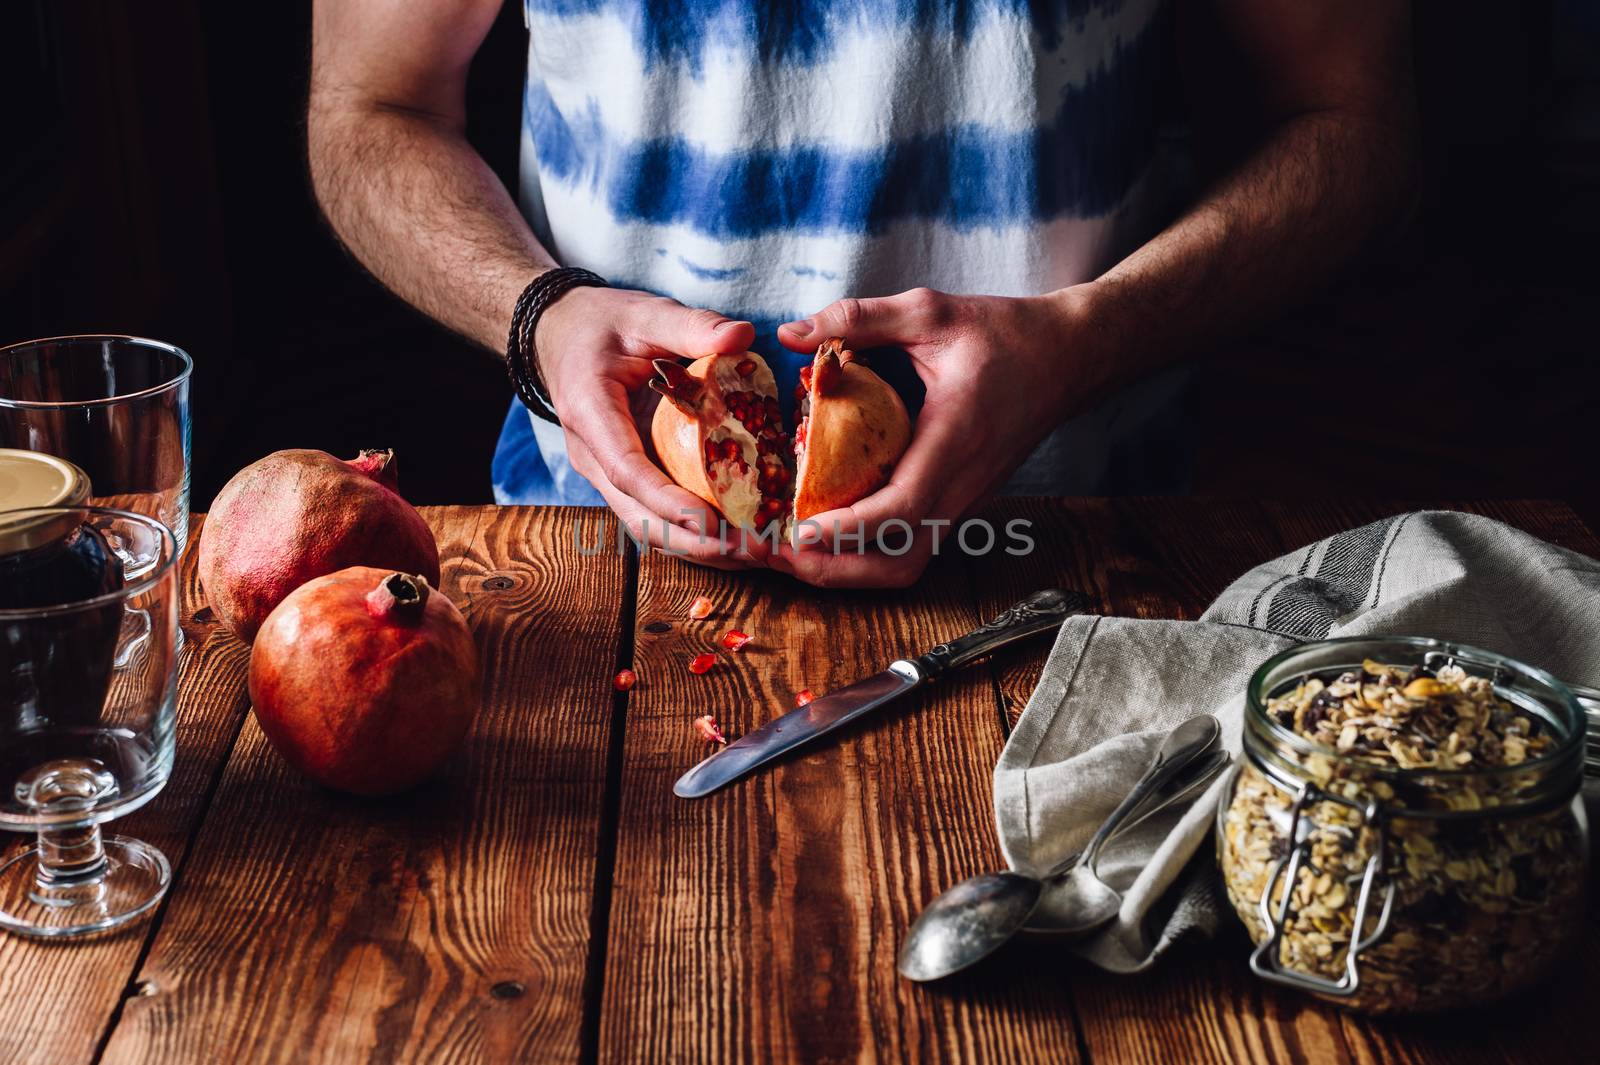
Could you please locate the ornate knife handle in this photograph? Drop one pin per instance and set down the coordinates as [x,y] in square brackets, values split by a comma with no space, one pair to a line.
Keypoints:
[1040,612]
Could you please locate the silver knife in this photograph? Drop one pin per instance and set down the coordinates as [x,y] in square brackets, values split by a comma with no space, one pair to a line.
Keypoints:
[1040,612]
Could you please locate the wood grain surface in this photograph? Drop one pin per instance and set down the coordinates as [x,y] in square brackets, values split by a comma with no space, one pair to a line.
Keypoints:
[448,924]
[762,922]
[547,899]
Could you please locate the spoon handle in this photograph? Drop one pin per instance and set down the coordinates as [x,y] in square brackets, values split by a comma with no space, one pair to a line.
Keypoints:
[1183,745]
[1183,786]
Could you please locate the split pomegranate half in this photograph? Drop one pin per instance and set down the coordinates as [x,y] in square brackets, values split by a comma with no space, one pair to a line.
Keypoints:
[721,436]
[852,430]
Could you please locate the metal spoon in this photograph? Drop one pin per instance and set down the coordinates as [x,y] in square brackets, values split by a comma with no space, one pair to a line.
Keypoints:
[973,919]
[1186,784]
[1086,901]
[1179,791]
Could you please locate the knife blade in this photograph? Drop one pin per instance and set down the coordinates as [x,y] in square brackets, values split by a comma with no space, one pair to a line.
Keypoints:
[1040,612]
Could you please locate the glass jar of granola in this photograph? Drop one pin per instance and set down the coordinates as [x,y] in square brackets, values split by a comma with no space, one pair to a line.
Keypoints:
[1405,831]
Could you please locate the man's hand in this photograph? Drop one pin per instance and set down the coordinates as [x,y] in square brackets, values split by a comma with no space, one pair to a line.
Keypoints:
[595,350]
[1000,374]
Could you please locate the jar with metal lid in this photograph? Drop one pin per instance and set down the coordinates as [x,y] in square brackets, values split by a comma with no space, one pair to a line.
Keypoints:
[50,555]
[1405,831]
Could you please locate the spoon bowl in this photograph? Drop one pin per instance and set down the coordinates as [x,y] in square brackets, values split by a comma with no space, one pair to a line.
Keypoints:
[1081,902]
[975,918]
[1045,920]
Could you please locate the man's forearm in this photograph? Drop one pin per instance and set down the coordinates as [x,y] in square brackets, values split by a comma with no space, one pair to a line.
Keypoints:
[421,209]
[1313,195]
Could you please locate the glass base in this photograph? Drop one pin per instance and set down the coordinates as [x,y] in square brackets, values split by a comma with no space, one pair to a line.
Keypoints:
[127,887]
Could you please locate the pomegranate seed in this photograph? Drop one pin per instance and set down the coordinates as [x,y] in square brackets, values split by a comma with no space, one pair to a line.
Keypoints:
[625,680]
[746,367]
[707,727]
[805,377]
[800,435]
[803,696]
[701,663]
[700,608]
[730,448]
[735,640]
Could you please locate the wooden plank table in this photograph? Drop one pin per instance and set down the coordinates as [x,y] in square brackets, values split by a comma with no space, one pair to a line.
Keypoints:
[547,899]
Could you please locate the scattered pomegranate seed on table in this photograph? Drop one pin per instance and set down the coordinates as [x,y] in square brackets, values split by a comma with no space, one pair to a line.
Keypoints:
[701,607]
[701,663]
[625,680]
[707,727]
[803,696]
[735,640]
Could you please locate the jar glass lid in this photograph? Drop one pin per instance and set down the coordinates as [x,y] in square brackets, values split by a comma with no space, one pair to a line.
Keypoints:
[34,479]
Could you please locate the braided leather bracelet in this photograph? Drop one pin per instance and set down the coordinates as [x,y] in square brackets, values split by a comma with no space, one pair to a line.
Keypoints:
[522,360]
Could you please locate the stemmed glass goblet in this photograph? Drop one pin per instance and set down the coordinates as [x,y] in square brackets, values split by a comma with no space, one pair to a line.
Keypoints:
[87,711]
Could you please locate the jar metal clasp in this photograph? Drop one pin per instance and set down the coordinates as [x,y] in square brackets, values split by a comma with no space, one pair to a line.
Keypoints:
[1266,961]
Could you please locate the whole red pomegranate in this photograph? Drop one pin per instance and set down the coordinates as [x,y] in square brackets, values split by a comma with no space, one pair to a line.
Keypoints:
[299,514]
[365,680]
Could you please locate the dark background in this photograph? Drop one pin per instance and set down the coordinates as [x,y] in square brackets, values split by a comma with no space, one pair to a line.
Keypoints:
[153,181]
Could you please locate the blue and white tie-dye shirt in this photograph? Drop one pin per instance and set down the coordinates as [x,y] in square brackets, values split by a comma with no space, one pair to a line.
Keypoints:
[765,157]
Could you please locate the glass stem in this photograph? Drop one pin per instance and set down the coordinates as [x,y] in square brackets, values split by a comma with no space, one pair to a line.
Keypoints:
[72,862]
[72,858]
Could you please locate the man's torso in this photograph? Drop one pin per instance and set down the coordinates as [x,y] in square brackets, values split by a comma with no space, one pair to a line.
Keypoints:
[765,159]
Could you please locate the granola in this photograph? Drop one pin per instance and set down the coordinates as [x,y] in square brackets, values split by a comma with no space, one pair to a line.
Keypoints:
[1404,717]
[1482,904]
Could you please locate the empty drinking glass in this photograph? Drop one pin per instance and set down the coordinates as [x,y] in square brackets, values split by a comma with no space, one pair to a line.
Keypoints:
[88,692]
[116,406]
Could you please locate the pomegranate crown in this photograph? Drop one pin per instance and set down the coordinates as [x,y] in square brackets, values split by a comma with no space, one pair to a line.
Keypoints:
[400,596]
[380,465]
[831,358]
[677,385]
